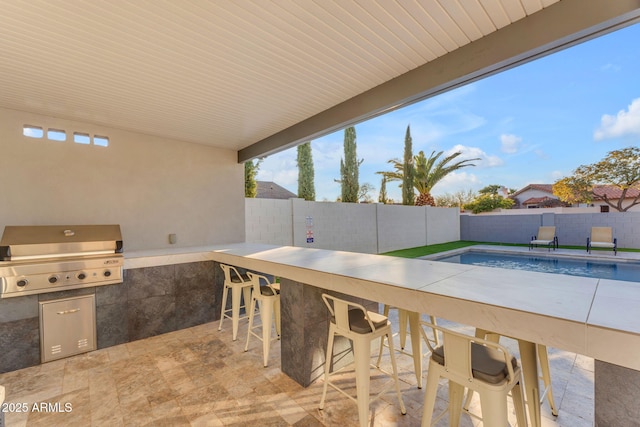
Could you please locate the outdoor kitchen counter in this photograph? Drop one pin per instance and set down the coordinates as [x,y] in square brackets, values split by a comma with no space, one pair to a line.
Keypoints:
[593,317]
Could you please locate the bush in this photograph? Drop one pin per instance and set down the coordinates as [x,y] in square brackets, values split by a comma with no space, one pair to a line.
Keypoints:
[489,202]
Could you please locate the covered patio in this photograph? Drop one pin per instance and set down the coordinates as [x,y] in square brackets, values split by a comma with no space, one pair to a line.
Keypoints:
[172,97]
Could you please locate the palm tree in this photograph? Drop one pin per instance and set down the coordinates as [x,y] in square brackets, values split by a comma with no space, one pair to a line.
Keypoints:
[427,173]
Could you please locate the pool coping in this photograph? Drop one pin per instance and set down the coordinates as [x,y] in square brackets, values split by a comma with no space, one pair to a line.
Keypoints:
[630,257]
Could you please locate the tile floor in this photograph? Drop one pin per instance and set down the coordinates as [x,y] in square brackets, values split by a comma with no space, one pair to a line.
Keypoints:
[199,377]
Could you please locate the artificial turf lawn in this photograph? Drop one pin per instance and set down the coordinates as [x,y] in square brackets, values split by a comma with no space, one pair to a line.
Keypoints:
[421,251]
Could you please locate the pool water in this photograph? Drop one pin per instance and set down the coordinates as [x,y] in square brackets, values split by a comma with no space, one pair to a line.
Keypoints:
[575,267]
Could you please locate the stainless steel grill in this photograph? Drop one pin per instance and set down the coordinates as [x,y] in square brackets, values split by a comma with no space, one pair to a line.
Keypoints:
[38,259]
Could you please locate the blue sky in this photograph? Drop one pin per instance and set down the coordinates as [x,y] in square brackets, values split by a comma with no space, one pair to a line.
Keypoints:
[532,124]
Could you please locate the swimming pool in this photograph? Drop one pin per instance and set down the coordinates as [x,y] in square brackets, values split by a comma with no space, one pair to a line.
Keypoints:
[628,271]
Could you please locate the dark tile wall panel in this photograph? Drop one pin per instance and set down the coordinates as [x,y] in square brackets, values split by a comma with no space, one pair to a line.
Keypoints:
[112,324]
[151,316]
[195,294]
[305,328]
[20,344]
[218,287]
[151,282]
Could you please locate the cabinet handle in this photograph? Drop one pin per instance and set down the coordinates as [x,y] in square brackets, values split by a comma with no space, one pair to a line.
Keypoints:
[68,311]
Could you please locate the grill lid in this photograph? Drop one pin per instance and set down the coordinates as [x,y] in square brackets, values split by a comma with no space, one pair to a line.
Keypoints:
[55,241]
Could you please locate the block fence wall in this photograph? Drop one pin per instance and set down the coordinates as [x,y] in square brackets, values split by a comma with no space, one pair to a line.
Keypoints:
[572,229]
[365,228]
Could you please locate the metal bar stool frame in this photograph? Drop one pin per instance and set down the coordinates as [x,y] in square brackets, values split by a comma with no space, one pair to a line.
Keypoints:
[267,298]
[355,323]
[240,286]
[464,366]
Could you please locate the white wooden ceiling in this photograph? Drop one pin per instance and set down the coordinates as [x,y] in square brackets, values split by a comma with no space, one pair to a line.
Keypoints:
[226,73]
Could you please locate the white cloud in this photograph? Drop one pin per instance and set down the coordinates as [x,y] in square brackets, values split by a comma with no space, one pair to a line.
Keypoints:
[623,124]
[486,160]
[611,67]
[456,181]
[556,175]
[510,143]
[541,154]
[280,168]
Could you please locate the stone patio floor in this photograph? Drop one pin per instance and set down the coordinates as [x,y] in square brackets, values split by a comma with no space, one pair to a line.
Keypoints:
[199,377]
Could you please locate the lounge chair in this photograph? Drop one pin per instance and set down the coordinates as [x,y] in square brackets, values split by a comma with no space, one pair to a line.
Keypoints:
[546,237]
[602,237]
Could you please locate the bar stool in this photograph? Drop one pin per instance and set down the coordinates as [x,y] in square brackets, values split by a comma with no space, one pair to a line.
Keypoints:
[413,318]
[239,284]
[267,297]
[477,364]
[543,360]
[355,323]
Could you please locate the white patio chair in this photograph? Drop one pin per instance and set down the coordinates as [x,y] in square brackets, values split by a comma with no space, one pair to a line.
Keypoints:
[546,237]
[602,237]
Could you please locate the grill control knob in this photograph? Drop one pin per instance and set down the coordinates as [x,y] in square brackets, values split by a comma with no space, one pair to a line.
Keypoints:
[22,283]
[53,279]
[107,273]
[82,276]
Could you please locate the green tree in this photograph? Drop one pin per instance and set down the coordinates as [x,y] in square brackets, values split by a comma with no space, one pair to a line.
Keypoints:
[364,193]
[428,172]
[349,168]
[306,186]
[496,189]
[620,169]
[457,199]
[489,202]
[250,173]
[382,197]
[408,170]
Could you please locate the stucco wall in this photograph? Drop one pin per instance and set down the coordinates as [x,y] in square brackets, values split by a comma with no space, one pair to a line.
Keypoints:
[401,227]
[572,229]
[443,225]
[151,186]
[366,228]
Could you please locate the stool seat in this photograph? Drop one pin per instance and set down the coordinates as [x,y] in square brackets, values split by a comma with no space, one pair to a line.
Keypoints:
[359,323]
[361,326]
[487,364]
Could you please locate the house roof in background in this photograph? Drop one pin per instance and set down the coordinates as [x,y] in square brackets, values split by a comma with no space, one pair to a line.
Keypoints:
[547,188]
[610,191]
[614,192]
[271,190]
[259,77]
[536,200]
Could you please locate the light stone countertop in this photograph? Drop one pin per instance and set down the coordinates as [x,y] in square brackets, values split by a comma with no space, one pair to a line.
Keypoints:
[594,317]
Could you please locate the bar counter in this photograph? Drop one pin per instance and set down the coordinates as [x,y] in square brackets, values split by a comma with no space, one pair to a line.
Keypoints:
[594,317]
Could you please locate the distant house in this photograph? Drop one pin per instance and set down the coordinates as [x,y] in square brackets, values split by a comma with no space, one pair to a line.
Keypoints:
[613,194]
[271,190]
[534,196]
[541,196]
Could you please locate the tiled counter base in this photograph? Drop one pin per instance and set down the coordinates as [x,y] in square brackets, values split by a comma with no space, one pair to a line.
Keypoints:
[150,301]
[617,392]
[305,328]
